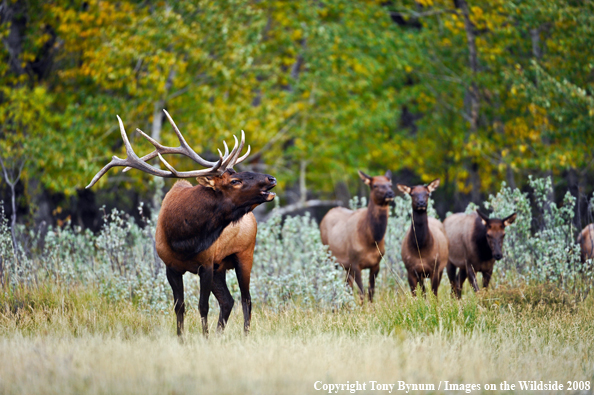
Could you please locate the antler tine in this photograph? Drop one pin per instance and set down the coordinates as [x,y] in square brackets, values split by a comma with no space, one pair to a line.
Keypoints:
[161,149]
[153,154]
[226,149]
[244,156]
[234,161]
[228,162]
[132,160]
[188,151]
[215,170]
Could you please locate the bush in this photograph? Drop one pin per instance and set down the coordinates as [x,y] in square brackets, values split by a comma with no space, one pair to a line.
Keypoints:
[291,266]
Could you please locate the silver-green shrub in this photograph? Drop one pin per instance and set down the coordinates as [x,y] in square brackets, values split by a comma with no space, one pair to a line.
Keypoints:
[541,248]
[292,265]
[7,256]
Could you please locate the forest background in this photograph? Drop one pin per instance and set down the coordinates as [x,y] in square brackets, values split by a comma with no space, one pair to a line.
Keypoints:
[473,92]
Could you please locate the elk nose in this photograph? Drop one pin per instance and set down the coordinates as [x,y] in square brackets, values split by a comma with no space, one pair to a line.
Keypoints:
[272,180]
[390,194]
[497,257]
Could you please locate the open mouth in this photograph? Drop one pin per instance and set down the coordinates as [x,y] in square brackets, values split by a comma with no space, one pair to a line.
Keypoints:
[268,196]
[389,199]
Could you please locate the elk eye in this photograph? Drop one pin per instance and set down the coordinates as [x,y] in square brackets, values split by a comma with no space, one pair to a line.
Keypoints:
[235,182]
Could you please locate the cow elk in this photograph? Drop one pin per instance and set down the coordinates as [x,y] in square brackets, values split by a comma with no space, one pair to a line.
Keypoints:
[205,229]
[356,238]
[425,245]
[586,242]
[476,242]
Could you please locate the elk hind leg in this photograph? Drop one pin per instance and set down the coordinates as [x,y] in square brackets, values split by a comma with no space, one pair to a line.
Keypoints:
[176,281]
[221,292]
[359,281]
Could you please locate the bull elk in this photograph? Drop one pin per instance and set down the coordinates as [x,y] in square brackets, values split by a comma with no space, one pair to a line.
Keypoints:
[425,246]
[356,238]
[476,242]
[586,242]
[205,229]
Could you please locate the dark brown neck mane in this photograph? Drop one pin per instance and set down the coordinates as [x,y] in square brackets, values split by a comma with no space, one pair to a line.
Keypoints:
[420,236]
[479,239]
[376,221]
[201,224]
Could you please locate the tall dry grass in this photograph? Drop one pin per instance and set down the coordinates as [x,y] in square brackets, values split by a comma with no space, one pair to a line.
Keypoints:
[58,341]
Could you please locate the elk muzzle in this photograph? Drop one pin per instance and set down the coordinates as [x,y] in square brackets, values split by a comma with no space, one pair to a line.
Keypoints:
[269,196]
[389,196]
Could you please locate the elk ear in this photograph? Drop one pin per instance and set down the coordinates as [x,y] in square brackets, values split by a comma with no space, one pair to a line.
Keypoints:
[509,220]
[484,217]
[388,175]
[433,185]
[207,182]
[366,179]
[403,188]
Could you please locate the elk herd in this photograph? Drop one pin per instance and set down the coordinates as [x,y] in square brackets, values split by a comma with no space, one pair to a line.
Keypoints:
[209,228]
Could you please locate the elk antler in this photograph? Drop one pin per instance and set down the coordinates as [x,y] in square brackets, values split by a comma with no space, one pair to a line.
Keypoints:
[133,161]
[186,150]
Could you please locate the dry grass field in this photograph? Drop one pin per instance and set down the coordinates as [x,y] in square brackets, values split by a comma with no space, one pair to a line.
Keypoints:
[59,341]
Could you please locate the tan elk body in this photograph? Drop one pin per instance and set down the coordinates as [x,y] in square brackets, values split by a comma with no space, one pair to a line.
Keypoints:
[425,246]
[476,242]
[356,238]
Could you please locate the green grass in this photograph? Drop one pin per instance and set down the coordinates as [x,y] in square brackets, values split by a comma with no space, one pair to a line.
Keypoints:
[70,341]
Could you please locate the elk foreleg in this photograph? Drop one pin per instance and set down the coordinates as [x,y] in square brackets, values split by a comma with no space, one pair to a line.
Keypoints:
[436,280]
[487,277]
[206,276]
[243,269]
[472,276]
[221,292]
[460,278]
[413,281]
[374,271]
[176,281]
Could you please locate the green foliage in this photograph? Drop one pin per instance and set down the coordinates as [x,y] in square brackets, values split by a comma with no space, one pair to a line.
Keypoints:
[325,83]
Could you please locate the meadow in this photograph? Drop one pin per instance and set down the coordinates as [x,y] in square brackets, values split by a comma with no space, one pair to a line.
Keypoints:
[86,313]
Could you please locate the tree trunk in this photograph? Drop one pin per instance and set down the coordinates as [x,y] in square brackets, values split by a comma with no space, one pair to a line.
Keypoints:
[14,13]
[13,219]
[156,135]
[302,185]
[473,96]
